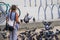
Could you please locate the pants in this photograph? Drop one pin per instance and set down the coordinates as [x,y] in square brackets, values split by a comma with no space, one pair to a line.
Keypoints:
[13,34]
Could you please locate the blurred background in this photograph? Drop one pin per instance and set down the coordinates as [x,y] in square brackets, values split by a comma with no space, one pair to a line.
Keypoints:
[40,9]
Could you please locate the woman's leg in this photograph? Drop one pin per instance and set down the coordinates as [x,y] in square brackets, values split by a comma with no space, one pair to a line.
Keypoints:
[11,38]
[15,34]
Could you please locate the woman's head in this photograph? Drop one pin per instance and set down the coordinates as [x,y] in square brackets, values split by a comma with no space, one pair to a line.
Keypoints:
[13,8]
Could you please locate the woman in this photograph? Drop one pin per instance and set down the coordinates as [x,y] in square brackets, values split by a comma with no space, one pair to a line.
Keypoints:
[12,20]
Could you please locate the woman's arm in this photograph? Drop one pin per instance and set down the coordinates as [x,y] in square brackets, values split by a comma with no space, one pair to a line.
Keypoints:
[7,18]
[17,19]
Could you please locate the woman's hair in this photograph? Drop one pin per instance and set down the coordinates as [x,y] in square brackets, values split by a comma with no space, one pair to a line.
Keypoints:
[13,7]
